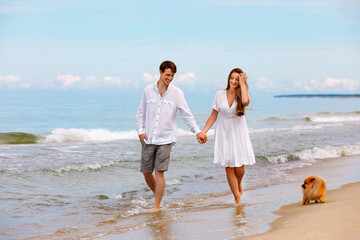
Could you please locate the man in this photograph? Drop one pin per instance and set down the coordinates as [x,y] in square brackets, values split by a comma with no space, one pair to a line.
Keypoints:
[156,127]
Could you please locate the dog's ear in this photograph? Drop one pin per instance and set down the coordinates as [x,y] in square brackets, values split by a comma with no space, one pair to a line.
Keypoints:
[313,179]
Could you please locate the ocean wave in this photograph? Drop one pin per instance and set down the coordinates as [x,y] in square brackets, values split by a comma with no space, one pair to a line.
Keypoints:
[314,154]
[61,135]
[277,120]
[17,138]
[71,135]
[92,135]
[295,128]
[323,119]
[317,117]
[173,182]
[81,167]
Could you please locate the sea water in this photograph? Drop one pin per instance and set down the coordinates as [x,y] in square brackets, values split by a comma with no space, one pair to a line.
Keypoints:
[69,162]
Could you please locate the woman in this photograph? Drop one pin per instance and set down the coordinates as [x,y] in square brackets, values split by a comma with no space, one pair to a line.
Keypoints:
[233,147]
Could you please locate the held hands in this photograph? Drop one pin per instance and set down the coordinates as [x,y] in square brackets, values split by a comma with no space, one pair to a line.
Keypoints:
[243,78]
[201,137]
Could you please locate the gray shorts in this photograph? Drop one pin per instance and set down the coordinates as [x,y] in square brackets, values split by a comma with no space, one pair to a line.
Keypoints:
[155,157]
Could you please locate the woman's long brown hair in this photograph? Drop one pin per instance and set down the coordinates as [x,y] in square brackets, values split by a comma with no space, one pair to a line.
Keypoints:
[240,108]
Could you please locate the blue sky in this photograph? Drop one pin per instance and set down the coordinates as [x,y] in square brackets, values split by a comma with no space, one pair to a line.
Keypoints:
[304,46]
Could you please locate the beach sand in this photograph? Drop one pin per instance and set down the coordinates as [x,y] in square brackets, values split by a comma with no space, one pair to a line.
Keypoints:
[214,216]
[337,218]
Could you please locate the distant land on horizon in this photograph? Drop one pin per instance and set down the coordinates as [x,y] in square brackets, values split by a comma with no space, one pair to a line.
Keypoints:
[319,95]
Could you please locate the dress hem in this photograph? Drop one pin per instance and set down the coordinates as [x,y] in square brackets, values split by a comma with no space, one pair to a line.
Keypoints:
[223,165]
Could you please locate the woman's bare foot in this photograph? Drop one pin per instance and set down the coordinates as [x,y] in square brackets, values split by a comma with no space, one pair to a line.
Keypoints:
[154,210]
[239,209]
[237,201]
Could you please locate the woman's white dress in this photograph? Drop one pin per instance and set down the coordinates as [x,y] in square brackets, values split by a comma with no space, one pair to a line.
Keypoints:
[232,141]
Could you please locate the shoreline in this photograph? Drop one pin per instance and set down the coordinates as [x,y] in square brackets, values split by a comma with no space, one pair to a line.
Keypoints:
[210,218]
[337,218]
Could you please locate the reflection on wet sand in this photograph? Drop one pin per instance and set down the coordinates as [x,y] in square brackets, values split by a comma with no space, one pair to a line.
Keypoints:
[159,226]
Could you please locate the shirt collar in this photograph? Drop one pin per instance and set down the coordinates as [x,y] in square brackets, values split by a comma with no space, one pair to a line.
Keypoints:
[157,90]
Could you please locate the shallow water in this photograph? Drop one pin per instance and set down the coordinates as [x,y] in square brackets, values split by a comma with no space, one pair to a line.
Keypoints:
[81,178]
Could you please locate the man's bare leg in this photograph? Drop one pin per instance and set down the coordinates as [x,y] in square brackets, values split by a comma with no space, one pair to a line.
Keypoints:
[159,191]
[150,180]
[160,187]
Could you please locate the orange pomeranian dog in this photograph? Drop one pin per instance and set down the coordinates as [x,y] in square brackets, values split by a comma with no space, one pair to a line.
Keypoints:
[314,188]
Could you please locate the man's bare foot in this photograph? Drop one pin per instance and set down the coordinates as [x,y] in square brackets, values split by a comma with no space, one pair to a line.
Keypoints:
[154,210]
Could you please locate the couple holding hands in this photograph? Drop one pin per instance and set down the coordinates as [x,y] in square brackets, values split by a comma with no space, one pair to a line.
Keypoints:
[156,127]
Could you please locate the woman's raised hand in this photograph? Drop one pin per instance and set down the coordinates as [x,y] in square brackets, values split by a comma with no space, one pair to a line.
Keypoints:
[243,77]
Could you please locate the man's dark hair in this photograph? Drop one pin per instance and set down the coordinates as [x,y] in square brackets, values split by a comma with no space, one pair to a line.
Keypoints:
[167,64]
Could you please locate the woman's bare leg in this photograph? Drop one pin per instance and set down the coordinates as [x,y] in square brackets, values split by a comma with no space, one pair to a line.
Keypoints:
[240,171]
[233,183]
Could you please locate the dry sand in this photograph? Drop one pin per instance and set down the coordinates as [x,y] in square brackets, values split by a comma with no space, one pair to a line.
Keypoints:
[338,218]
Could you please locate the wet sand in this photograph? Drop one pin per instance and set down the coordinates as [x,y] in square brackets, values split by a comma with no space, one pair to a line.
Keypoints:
[337,218]
[216,217]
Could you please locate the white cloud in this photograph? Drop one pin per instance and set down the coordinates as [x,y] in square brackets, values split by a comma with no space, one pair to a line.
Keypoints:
[13,81]
[264,83]
[10,78]
[308,89]
[346,83]
[68,79]
[26,85]
[91,82]
[186,79]
[333,84]
[113,81]
[65,80]
[150,78]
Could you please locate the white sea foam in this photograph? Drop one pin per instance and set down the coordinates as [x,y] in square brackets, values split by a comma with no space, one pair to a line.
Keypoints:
[182,132]
[60,135]
[173,182]
[137,206]
[118,196]
[84,167]
[336,118]
[295,128]
[318,153]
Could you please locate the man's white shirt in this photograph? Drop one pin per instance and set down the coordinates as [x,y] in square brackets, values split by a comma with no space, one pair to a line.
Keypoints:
[156,115]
